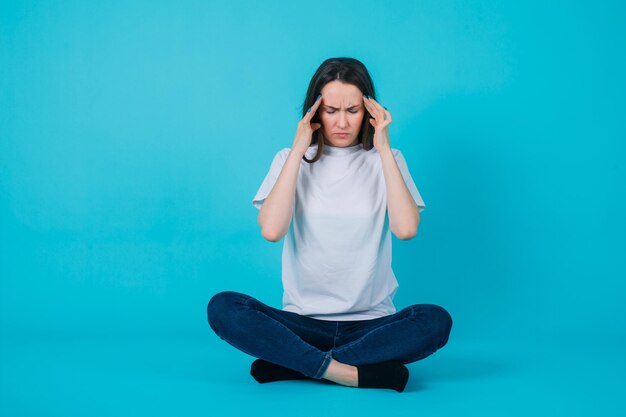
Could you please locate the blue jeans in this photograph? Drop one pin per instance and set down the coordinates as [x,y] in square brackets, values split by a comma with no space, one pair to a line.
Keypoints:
[307,345]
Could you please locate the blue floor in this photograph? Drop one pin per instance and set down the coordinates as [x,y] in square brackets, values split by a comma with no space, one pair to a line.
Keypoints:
[130,376]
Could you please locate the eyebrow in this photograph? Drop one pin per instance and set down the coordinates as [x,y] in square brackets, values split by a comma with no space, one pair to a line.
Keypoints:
[336,108]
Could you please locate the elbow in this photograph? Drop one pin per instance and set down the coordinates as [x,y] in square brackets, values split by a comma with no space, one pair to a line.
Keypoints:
[408,228]
[406,234]
[271,235]
[268,232]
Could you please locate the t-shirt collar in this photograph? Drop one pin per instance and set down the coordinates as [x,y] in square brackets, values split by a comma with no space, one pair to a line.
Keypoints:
[335,150]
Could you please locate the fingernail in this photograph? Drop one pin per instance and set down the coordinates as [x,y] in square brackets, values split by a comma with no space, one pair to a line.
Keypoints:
[309,110]
[318,97]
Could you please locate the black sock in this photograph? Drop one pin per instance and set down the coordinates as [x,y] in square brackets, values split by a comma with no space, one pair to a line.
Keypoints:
[392,374]
[264,371]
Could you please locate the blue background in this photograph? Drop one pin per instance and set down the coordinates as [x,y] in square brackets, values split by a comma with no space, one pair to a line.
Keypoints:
[133,136]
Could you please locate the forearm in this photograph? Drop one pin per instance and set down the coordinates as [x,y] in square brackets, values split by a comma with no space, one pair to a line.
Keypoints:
[275,214]
[403,213]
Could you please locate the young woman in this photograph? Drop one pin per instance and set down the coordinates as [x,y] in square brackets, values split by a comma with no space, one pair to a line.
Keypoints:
[336,196]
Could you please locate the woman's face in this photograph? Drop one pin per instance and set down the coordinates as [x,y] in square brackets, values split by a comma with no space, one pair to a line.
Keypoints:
[341,111]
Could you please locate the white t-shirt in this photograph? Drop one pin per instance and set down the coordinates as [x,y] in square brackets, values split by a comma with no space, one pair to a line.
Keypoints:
[336,261]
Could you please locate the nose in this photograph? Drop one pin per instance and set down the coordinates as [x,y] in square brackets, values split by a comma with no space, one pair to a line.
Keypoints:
[342,122]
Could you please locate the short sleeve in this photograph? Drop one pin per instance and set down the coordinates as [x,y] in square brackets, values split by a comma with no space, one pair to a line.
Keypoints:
[270,178]
[408,180]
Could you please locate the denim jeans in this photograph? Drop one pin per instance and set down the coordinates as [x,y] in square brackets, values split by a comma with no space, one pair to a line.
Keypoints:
[307,345]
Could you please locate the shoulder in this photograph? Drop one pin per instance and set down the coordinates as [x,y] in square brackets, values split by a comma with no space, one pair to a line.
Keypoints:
[399,157]
[283,152]
[395,152]
[281,156]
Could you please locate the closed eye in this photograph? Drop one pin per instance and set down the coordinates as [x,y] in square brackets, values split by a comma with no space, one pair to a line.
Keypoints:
[333,111]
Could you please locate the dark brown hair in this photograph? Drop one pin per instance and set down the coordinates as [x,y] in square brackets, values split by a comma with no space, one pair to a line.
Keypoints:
[348,71]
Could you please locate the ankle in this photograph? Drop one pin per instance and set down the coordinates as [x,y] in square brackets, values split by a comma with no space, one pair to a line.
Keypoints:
[342,373]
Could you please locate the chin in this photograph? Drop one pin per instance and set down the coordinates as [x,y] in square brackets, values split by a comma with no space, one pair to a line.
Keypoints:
[341,143]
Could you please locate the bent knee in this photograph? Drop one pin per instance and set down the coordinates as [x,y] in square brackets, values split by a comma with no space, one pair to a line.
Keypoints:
[219,306]
[441,321]
[438,322]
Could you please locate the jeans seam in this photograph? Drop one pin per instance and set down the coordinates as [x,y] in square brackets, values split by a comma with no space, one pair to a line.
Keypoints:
[335,337]
[324,366]
[327,355]
[376,330]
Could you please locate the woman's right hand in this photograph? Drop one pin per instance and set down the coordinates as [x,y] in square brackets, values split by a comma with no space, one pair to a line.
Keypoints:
[304,133]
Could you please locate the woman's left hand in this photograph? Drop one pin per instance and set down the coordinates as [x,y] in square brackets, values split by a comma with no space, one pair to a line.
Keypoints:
[381,118]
